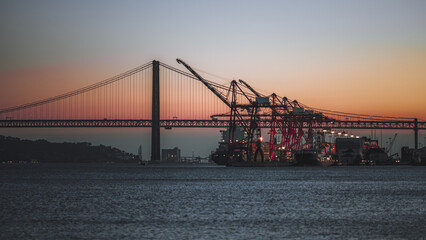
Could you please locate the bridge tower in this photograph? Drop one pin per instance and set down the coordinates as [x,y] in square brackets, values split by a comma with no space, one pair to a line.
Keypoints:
[155,130]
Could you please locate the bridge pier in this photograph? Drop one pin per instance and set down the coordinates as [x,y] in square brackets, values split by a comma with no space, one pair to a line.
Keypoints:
[416,135]
[155,129]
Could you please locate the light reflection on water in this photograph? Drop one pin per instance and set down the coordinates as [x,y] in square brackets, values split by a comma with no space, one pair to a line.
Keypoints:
[204,201]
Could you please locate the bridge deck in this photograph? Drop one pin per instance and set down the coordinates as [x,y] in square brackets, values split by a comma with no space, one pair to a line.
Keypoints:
[200,123]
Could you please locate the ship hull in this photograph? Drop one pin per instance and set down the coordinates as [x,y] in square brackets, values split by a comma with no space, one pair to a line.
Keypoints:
[306,158]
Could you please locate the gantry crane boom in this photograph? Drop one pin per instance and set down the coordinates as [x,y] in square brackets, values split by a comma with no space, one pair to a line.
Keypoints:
[250,88]
[201,79]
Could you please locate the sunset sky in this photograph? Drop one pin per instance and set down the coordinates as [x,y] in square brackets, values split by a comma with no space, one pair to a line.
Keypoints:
[364,57]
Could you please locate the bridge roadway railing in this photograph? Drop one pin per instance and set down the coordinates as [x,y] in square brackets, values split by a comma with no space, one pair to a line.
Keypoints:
[173,123]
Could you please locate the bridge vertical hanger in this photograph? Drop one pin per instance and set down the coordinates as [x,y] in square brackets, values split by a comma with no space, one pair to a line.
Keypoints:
[155,132]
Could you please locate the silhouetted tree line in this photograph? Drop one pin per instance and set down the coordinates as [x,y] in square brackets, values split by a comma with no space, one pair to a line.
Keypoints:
[19,150]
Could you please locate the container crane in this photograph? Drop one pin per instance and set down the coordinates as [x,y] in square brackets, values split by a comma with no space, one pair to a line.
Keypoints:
[281,116]
[391,143]
[288,116]
[235,148]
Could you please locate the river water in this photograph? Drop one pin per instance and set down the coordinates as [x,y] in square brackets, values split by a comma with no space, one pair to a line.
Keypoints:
[76,201]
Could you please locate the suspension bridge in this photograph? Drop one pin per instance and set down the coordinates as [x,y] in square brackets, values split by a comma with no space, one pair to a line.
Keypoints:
[157,95]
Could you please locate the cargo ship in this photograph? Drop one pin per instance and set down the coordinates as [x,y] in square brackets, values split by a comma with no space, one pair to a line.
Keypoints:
[221,155]
[282,158]
[362,151]
[307,157]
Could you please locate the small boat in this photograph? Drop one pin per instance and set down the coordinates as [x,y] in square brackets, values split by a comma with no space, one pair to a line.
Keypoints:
[141,161]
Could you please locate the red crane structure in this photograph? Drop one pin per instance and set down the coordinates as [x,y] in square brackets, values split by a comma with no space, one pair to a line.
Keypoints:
[249,110]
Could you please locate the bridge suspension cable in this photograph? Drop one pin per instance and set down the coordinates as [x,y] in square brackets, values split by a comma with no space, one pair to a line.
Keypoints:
[79,91]
[128,96]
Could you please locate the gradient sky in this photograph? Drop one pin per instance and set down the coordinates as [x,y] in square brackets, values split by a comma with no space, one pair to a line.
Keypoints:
[355,56]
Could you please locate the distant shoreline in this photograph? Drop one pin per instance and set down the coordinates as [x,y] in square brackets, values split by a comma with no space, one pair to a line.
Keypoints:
[15,150]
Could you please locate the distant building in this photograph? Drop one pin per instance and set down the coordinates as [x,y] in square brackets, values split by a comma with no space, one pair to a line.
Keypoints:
[410,155]
[171,155]
[422,154]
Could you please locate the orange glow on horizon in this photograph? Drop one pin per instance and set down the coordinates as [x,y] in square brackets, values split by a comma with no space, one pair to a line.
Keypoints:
[384,88]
